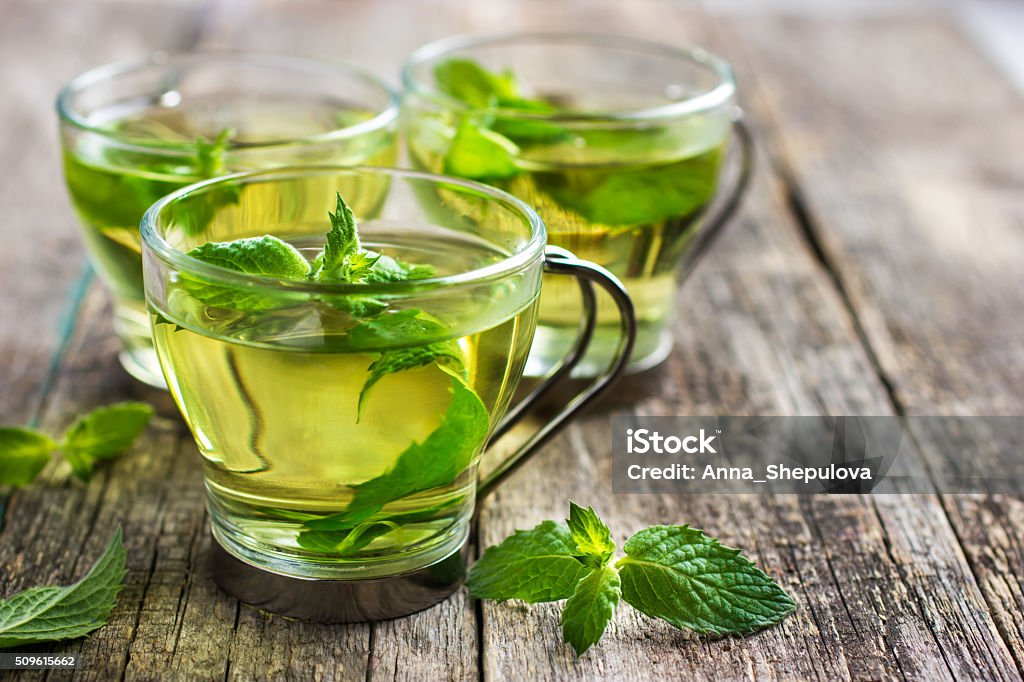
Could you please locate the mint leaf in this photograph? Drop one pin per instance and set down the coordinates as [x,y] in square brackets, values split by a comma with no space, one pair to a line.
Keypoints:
[437,461]
[387,269]
[342,245]
[47,614]
[590,534]
[210,155]
[102,434]
[477,153]
[467,81]
[681,575]
[590,609]
[444,353]
[23,454]
[536,565]
[345,541]
[266,255]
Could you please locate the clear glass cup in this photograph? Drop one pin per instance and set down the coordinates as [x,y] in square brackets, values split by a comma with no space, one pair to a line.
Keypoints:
[618,143]
[308,472]
[133,132]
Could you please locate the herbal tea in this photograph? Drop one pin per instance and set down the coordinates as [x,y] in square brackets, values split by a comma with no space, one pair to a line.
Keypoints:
[340,435]
[133,152]
[630,198]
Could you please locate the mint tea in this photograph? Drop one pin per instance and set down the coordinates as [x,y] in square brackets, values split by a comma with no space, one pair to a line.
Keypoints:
[132,134]
[618,145]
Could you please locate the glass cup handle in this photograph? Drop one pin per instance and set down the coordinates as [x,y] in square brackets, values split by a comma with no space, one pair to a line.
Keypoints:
[726,210]
[558,261]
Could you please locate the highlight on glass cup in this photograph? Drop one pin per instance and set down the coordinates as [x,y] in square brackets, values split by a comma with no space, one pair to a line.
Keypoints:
[133,132]
[618,143]
[343,342]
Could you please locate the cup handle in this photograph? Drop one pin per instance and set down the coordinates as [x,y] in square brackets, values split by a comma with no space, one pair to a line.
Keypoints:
[714,224]
[558,261]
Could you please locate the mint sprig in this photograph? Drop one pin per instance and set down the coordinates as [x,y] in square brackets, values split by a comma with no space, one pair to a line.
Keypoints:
[49,614]
[99,435]
[675,573]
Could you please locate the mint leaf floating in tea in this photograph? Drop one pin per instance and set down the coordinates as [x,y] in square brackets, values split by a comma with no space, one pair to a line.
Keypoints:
[99,435]
[481,154]
[681,575]
[675,573]
[102,434]
[49,614]
[210,155]
[23,454]
[537,565]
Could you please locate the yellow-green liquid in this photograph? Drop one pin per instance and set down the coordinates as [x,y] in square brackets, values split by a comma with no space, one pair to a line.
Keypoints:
[631,201]
[151,153]
[273,408]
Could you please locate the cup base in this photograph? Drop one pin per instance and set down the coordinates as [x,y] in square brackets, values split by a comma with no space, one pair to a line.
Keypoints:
[338,601]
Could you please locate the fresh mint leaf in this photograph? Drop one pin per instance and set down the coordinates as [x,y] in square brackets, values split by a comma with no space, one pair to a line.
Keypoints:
[336,265]
[266,255]
[387,269]
[469,82]
[210,155]
[592,536]
[48,614]
[23,454]
[477,153]
[444,353]
[402,326]
[681,575]
[107,431]
[590,608]
[437,461]
[536,565]
[675,573]
[102,434]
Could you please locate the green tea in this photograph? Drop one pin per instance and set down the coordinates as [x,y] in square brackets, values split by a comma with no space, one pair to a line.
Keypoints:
[318,454]
[630,198]
[151,151]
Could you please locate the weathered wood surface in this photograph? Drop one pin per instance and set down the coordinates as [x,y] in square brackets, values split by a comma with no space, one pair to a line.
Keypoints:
[853,283]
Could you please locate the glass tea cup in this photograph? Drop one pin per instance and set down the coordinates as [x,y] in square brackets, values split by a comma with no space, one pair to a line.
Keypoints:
[618,143]
[133,132]
[341,425]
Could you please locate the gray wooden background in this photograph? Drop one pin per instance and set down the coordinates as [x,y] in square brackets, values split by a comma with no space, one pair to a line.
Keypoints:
[876,269]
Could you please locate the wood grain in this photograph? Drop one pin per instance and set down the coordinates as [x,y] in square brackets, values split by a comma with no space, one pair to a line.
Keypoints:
[852,284]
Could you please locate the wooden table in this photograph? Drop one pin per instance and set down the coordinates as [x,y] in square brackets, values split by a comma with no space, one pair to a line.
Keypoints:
[876,269]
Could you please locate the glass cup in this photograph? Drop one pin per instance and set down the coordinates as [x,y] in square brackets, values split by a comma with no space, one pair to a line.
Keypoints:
[341,425]
[618,143]
[133,132]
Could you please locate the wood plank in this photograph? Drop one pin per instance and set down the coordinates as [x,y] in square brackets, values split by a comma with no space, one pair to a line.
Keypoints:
[912,194]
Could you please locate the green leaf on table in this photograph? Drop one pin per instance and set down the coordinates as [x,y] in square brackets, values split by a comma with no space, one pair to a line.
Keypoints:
[591,535]
[23,454]
[477,153]
[102,434]
[590,608]
[536,565]
[681,575]
[48,614]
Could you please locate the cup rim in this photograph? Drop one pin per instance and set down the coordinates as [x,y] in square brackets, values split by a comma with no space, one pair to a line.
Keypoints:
[72,117]
[515,262]
[716,97]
